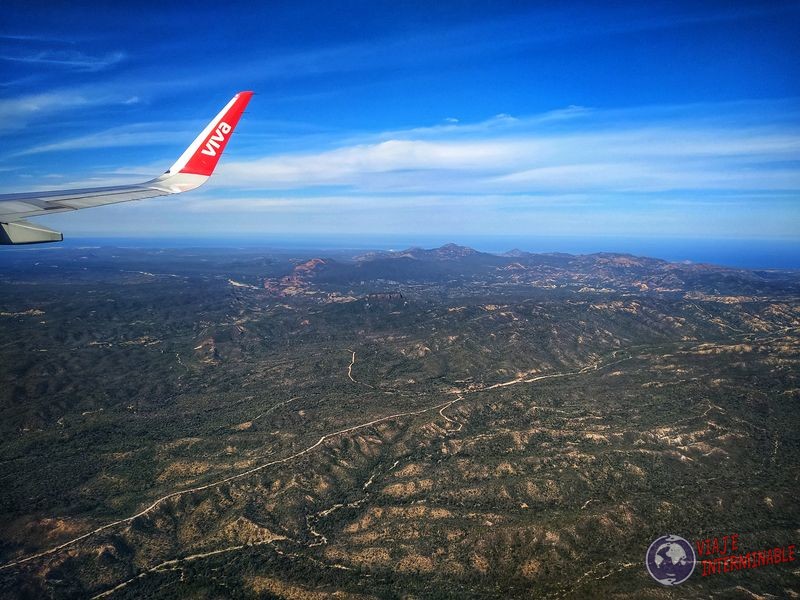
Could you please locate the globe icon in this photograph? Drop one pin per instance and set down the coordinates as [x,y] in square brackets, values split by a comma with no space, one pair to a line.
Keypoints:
[670,560]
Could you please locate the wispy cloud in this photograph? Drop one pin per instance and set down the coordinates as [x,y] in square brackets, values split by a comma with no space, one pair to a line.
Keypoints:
[14,109]
[15,113]
[69,59]
[505,155]
[339,204]
[140,134]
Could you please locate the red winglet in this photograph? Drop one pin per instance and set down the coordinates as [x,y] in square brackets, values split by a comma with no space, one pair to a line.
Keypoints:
[205,151]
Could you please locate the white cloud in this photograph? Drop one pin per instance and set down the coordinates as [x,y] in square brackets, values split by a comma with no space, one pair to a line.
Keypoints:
[141,134]
[350,165]
[542,154]
[69,59]
[347,203]
[23,106]
[16,113]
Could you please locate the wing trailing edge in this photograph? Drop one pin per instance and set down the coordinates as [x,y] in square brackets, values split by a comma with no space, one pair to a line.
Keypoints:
[22,232]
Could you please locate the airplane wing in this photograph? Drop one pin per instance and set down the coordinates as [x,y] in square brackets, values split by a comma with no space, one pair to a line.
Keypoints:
[191,170]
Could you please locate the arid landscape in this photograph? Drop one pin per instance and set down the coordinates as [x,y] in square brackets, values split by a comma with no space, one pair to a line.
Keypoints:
[440,423]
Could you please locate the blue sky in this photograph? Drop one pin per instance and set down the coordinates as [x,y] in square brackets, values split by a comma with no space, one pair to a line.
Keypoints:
[451,119]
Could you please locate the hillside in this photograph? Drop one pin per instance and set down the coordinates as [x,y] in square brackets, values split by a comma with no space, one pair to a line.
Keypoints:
[439,423]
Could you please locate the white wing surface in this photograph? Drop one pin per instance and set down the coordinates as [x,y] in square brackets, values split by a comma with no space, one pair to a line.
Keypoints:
[191,170]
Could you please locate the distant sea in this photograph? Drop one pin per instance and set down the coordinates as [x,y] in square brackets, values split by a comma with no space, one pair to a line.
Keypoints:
[744,253]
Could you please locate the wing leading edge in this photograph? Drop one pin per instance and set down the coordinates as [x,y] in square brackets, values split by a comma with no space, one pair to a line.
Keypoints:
[191,170]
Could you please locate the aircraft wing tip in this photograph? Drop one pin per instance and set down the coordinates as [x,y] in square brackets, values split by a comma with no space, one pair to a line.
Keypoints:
[202,156]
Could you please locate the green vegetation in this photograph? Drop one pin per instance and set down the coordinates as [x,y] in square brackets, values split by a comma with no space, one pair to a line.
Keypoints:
[555,414]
